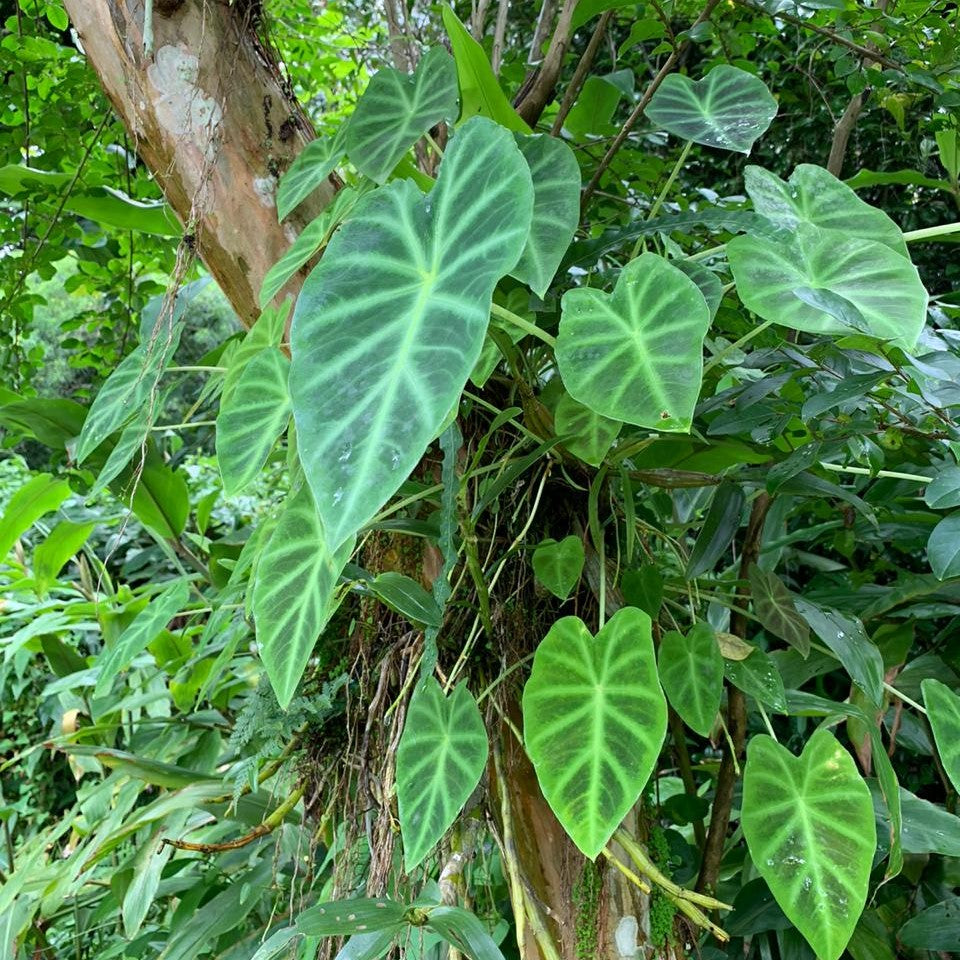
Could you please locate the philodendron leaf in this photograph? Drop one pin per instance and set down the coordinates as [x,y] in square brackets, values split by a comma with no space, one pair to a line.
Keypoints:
[390,324]
[883,286]
[252,419]
[943,712]
[814,195]
[729,108]
[313,165]
[594,718]
[396,110]
[637,354]
[691,672]
[776,611]
[346,917]
[585,434]
[440,759]
[556,208]
[809,825]
[293,592]
[943,548]
[558,565]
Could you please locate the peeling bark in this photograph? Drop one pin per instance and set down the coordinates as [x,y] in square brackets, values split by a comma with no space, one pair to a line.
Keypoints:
[209,114]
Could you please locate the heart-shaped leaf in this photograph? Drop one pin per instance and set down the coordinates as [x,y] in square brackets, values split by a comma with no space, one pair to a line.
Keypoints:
[390,324]
[757,675]
[292,592]
[809,825]
[943,712]
[397,109]
[879,283]
[815,196]
[250,422]
[313,165]
[691,673]
[943,548]
[594,718]
[729,108]
[440,759]
[775,609]
[637,354]
[556,208]
[585,434]
[558,565]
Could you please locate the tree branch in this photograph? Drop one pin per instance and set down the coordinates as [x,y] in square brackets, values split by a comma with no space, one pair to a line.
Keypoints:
[541,88]
[580,74]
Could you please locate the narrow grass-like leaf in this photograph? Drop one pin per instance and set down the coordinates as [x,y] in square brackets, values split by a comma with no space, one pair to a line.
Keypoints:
[39,495]
[558,565]
[943,712]
[252,419]
[440,759]
[313,165]
[585,434]
[396,110]
[346,917]
[293,592]
[691,673]
[637,354]
[464,931]
[774,607]
[881,284]
[809,825]
[729,108]
[719,528]
[556,208]
[390,324]
[594,718]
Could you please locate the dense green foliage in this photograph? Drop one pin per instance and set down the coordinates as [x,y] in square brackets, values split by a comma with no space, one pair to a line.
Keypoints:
[609,460]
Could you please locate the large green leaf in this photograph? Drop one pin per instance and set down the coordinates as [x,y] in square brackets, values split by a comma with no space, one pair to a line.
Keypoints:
[936,928]
[943,548]
[585,434]
[141,632]
[556,208]
[390,324]
[944,492]
[809,825]
[61,544]
[480,92]
[637,354]
[252,419]
[440,759]
[39,495]
[775,609]
[594,718]
[943,712]
[313,165]
[266,332]
[344,917]
[814,195]
[729,108]
[776,280]
[558,565]
[691,672]
[396,110]
[157,494]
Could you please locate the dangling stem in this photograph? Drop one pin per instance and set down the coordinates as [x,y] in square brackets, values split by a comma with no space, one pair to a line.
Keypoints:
[504,314]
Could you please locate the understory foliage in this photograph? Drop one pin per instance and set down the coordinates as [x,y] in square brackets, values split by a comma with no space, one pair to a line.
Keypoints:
[606,464]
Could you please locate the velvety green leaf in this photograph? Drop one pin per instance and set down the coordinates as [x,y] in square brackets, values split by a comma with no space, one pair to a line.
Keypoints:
[313,165]
[943,712]
[774,607]
[585,434]
[251,420]
[39,495]
[708,282]
[61,544]
[808,822]
[480,92]
[594,719]
[691,673]
[407,597]
[936,928]
[558,565]
[757,675]
[637,354]
[440,760]
[814,195]
[266,332]
[944,492]
[397,109]
[729,108]
[943,548]
[878,282]
[719,528]
[293,592]
[143,630]
[346,917]
[462,930]
[846,637]
[131,440]
[390,323]
[556,208]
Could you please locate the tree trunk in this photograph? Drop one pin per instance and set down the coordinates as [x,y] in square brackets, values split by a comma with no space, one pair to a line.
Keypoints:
[209,113]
